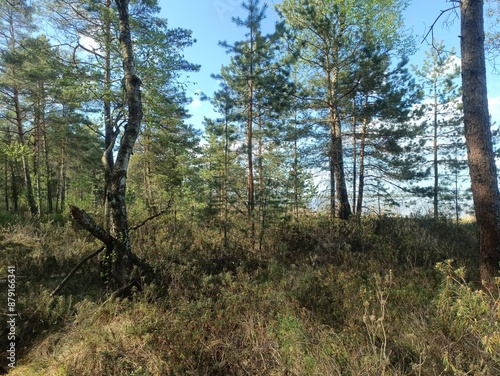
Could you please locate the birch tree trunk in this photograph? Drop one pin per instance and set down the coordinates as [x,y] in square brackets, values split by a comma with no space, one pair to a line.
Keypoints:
[122,257]
[119,257]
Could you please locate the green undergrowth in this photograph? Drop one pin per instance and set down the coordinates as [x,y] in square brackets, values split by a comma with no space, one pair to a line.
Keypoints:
[380,297]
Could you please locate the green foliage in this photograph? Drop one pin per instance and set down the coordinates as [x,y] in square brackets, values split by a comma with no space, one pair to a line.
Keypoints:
[317,296]
[470,318]
[442,129]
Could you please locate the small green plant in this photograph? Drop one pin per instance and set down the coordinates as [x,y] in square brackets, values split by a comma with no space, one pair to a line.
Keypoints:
[469,319]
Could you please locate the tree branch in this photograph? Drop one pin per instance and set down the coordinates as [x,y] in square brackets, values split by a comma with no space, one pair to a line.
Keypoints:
[74,270]
[431,29]
[151,218]
[84,220]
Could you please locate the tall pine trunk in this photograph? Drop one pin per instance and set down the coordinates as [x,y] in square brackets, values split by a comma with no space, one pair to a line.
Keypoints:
[225,179]
[48,172]
[15,187]
[337,173]
[260,169]
[6,184]
[295,169]
[361,185]
[61,184]
[250,177]
[354,160]
[481,160]
[37,152]
[435,149]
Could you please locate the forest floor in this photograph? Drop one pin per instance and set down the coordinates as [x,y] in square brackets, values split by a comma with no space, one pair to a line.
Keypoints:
[387,296]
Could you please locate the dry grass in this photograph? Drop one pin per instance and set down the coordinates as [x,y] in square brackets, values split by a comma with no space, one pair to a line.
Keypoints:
[318,299]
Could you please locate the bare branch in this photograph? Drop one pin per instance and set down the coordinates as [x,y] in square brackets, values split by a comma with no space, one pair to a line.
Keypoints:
[152,217]
[84,220]
[75,269]
[431,29]
[90,51]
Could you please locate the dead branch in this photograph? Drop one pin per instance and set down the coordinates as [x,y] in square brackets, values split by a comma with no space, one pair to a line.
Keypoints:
[75,269]
[431,29]
[151,218]
[125,291]
[84,220]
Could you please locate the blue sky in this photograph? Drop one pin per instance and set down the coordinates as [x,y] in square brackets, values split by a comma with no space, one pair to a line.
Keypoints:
[210,21]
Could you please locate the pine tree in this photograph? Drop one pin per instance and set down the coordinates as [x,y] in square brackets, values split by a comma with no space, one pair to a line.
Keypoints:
[478,137]
[16,20]
[327,38]
[259,85]
[439,75]
[381,104]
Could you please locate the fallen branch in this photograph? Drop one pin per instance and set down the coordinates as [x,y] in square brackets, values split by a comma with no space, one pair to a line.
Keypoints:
[126,290]
[75,269]
[84,220]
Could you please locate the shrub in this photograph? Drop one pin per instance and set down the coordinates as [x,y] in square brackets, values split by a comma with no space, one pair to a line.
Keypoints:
[469,321]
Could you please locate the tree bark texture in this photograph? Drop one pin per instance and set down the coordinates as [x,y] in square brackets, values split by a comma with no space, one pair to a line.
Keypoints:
[337,173]
[122,254]
[344,208]
[481,160]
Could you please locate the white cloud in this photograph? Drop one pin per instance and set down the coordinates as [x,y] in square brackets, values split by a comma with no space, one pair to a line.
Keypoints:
[195,102]
[89,43]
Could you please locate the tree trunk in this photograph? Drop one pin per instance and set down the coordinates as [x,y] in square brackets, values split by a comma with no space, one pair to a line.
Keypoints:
[481,160]
[37,152]
[8,166]
[336,151]
[260,168]
[122,257]
[119,258]
[148,187]
[15,187]
[61,186]
[6,184]
[333,195]
[295,170]
[48,172]
[251,190]
[354,158]
[27,174]
[109,134]
[225,180]
[361,185]
[435,147]
[337,173]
